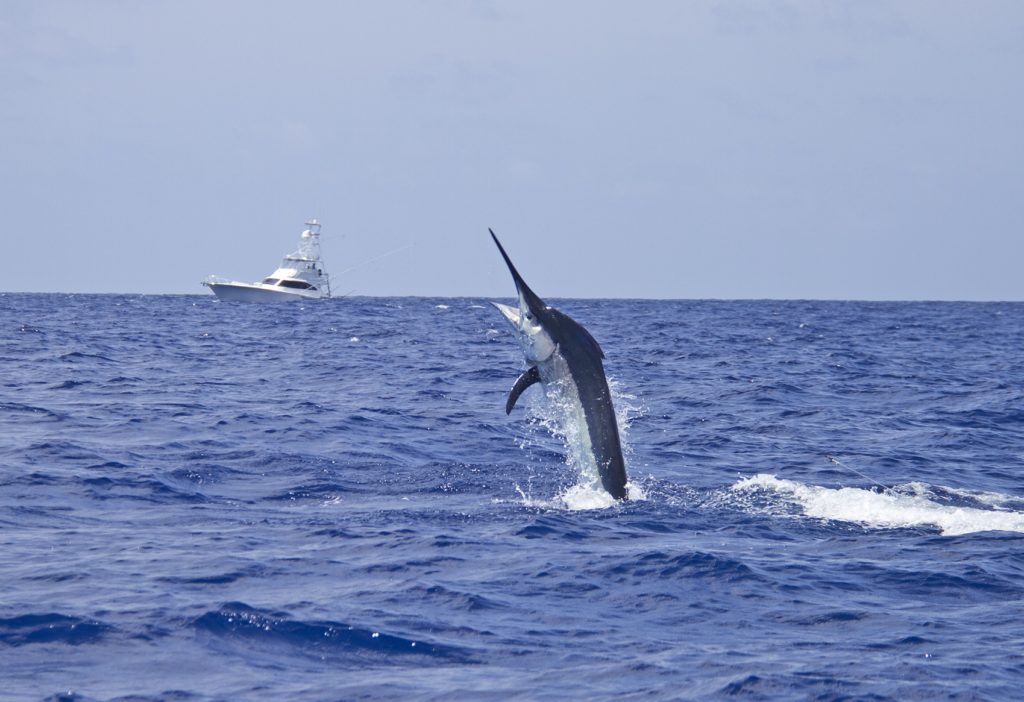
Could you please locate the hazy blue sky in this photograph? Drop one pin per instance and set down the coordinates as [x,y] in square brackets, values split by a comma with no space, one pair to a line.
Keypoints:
[867,149]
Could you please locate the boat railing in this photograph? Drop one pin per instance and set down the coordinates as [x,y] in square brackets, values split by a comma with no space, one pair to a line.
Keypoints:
[216,280]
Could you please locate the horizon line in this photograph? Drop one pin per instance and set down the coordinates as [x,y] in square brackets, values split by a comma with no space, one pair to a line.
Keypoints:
[552,297]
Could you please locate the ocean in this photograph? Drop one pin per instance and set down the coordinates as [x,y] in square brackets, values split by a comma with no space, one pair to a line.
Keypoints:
[205,501]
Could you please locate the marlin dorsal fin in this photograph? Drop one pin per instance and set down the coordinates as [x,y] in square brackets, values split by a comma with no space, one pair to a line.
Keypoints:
[530,376]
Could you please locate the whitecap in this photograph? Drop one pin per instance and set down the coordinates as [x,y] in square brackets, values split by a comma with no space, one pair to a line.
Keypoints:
[897,508]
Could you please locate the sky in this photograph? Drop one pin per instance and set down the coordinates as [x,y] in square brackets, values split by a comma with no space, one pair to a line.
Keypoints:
[849,149]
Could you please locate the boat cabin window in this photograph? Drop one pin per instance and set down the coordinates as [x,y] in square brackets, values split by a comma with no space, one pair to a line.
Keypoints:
[296,284]
[271,281]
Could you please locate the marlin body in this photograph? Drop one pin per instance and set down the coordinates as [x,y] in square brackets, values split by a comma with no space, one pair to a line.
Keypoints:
[563,355]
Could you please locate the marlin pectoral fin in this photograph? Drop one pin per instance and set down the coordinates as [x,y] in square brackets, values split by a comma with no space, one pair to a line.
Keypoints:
[530,376]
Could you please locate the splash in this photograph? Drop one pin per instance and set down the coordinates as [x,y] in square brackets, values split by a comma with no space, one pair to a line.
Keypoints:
[627,408]
[913,505]
[560,414]
[578,498]
[575,498]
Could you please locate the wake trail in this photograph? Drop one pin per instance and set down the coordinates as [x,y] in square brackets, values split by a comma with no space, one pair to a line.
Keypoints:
[912,505]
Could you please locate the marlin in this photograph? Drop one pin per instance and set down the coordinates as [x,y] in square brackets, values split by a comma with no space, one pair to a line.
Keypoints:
[562,354]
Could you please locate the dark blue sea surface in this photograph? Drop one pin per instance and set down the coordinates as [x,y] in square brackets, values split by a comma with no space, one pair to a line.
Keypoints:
[212,501]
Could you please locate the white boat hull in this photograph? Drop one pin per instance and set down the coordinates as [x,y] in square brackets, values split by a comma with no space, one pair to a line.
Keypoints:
[241,292]
[301,276]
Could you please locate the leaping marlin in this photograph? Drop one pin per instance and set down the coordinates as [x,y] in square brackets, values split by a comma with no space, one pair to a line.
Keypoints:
[562,354]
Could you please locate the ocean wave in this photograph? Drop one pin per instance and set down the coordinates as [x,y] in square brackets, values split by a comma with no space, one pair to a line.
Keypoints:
[80,356]
[16,412]
[221,577]
[52,627]
[655,565]
[450,598]
[239,621]
[137,487]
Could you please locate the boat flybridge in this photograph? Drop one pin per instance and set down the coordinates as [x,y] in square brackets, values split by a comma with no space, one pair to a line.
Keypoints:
[301,276]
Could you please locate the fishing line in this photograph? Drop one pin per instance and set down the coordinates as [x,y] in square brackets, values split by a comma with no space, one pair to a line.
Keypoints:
[836,461]
[376,258]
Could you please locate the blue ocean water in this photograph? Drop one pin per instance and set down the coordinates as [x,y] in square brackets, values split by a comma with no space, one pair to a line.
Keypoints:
[213,501]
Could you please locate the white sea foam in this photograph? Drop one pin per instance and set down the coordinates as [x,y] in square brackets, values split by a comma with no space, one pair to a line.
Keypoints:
[908,506]
[636,492]
[580,497]
[995,500]
[575,498]
[586,496]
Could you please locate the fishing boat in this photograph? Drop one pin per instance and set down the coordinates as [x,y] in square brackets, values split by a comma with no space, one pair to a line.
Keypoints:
[301,276]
